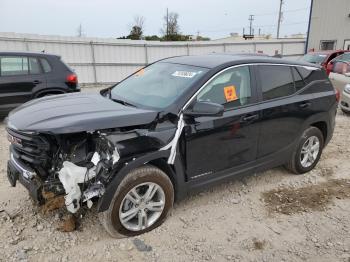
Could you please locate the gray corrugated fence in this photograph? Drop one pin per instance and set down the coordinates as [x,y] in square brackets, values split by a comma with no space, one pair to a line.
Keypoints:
[100,60]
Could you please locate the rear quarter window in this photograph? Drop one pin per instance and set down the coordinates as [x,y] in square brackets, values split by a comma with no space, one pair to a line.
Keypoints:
[46,66]
[310,75]
[298,80]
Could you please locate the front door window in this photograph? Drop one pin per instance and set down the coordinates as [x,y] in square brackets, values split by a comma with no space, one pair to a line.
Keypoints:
[231,88]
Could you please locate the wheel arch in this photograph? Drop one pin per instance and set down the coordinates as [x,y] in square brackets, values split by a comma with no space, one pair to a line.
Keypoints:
[323,121]
[157,159]
[52,91]
[323,127]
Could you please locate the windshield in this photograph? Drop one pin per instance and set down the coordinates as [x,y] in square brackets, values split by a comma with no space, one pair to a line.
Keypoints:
[345,58]
[315,58]
[158,85]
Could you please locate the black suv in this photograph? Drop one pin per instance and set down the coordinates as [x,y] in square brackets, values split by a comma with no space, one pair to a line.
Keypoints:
[171,128]
[24,76]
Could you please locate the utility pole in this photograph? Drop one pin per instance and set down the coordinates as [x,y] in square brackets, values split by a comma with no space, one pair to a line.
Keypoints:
[280,17]
[251,19]
[80,31]
[167,24]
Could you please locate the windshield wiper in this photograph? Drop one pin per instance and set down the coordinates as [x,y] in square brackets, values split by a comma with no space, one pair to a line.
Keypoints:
[122,102]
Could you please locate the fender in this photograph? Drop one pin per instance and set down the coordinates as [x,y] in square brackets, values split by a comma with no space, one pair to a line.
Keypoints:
[178,177]
[49,90]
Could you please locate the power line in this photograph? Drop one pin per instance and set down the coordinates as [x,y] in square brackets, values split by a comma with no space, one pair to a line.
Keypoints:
[257,26]
[236,28]
[285,11]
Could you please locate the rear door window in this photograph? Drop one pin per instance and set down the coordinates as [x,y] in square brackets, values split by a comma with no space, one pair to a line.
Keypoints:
[14,66]
[276,81]
[34,66]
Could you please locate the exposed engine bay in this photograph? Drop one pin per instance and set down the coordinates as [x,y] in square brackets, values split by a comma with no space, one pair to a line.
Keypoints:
[83,165]
[80,166]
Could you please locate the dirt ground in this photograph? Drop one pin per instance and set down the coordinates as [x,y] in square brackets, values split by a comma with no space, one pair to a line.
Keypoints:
[270,216]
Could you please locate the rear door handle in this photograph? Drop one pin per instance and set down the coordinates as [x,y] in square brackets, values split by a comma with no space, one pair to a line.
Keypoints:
[250,118]
[36,82]
[304,104]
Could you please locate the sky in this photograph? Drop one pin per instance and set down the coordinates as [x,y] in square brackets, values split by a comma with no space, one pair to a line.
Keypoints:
[113,18]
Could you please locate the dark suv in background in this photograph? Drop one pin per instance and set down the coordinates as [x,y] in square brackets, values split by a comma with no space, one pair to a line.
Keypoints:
[24,76]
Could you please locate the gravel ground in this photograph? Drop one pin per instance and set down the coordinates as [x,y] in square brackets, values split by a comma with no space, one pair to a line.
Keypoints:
[265,217]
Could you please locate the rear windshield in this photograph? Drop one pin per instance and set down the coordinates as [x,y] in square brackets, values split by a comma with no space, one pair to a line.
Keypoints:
[315,58]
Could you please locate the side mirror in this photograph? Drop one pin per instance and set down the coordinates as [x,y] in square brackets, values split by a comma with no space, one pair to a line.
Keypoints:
[203,108]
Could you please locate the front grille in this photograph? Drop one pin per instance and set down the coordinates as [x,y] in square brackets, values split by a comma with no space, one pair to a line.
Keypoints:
[30,148]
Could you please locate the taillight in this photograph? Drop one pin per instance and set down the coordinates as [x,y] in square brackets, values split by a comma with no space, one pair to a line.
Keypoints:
[337,95]
[72,79]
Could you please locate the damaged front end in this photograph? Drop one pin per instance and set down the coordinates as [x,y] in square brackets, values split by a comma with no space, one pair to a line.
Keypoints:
[81,165]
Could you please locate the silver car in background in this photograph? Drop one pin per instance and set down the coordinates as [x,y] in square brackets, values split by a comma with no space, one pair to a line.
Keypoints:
[339,74]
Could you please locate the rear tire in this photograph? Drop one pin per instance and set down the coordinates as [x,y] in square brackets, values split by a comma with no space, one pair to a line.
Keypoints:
[141,180]
[308,152]
[345,111]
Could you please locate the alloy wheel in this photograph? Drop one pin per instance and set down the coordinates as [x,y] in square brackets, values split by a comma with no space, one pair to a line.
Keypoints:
[310,151]
[142,206]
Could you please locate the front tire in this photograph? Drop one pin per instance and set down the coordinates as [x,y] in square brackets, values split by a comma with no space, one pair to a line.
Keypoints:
[308,152]
[141,203]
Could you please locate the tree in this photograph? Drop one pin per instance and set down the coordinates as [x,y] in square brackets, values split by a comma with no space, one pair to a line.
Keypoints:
[202,38]
[152,38]
[137,28]
[135,33]
[171,28]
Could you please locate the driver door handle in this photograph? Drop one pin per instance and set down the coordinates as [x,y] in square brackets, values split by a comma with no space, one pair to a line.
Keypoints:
[305,104]
[249,118]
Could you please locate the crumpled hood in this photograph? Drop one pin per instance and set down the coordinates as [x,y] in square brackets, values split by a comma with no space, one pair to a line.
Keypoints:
[71,113]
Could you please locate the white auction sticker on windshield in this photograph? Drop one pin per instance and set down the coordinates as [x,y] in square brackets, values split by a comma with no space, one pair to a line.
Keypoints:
[185,74]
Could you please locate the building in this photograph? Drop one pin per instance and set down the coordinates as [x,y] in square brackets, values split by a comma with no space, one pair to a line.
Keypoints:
[329,26]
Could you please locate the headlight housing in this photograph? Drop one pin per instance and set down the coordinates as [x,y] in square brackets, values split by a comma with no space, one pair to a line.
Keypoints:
[347,89]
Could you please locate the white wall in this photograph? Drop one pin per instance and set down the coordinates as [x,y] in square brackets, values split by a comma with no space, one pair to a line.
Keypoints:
[106,60]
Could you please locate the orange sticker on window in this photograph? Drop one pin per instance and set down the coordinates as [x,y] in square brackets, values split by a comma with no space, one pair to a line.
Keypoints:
[141,72]
[230,93]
